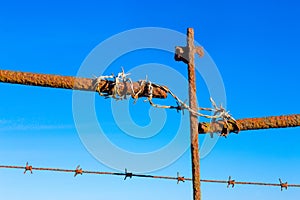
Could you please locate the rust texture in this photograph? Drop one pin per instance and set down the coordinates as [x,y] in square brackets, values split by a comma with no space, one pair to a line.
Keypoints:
[193,118]
[76,83]
[187,55]
[283,121]
[281,184]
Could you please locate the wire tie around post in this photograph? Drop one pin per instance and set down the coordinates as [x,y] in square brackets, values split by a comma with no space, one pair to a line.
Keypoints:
[127,174]
[28,168]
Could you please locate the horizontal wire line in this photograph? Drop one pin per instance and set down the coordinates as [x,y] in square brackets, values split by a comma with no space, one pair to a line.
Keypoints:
[126,174]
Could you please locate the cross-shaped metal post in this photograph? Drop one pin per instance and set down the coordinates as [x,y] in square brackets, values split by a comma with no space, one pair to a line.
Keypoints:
[187,55]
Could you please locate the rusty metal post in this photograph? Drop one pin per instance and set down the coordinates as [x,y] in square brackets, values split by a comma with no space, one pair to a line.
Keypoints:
[193,118]
[187,55]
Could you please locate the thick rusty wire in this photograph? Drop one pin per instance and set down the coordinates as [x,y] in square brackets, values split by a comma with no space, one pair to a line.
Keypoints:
[126,174]
[77,83]
[283,121]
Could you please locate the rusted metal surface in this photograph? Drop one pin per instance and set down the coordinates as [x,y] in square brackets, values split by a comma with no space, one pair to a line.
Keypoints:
[77,83]
[282,185]
[193,118]
[187,55]
[232,183]
[283,121]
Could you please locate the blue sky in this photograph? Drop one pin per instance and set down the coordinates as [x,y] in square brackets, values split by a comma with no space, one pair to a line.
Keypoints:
[254,44]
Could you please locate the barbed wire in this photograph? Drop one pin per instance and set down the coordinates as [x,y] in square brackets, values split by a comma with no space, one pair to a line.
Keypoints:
[79,171]
[122,78]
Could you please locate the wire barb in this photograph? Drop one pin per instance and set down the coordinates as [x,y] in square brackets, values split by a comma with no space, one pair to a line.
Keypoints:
[78,170]
[28,168]
[180,178]
[230,182]
[283,185]
[127,174]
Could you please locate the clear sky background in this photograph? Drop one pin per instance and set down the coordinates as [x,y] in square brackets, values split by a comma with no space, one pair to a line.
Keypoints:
[255,45]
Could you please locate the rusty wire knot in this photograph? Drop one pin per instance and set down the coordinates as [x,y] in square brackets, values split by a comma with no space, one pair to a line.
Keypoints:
[28,168]
[78,170]
[127,174]
[180,178]
[121,77]
[135,96]
[220,112]
[230,182]
[150,91]
[283,185]
[124,78]
[97,81]
[226,130]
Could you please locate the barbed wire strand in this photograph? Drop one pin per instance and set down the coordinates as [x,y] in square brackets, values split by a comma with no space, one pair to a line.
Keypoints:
[218,111]
[123,77]
[127,174]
